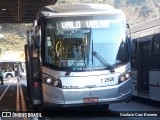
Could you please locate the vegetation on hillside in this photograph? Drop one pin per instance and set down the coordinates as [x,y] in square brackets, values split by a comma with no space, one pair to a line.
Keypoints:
[12,42]
[136,11]
[13,36]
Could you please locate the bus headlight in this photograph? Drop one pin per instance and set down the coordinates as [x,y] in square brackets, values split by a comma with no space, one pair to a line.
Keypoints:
[52,81]
[49,80]
[124,77]
[55,82]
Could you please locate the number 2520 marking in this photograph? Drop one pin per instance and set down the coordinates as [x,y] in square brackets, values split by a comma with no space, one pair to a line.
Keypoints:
[107,79]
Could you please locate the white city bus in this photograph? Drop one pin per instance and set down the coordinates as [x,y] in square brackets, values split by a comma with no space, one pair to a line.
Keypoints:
[79,55]
[145,59]
[9,68]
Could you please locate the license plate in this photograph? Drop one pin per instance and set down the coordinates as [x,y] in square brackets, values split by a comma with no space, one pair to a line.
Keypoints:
[90,100]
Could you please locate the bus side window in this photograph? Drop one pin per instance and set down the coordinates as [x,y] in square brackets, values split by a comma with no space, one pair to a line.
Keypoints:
[156,44]
[134,47]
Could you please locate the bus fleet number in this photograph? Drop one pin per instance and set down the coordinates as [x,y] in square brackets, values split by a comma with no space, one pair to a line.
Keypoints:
[107,79]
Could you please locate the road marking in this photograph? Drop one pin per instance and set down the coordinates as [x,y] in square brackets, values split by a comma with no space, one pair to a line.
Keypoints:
[23,100]
[21,96]
[17,99]
[5,91]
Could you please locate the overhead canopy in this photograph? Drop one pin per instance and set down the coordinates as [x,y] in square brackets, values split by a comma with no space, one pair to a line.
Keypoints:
[21,11]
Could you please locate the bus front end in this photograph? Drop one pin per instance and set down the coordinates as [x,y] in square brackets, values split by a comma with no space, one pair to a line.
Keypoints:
[85,60]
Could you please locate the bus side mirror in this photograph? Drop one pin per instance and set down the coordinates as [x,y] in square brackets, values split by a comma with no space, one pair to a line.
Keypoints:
[128,26]
[37,37]
[129,30]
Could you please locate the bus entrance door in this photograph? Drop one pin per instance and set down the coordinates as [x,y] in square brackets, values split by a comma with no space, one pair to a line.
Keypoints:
[143,69]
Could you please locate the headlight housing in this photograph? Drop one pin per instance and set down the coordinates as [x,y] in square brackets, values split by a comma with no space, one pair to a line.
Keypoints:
[52,81]
[124,77]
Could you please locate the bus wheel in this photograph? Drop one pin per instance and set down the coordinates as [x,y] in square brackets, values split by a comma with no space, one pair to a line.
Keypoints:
[9,75]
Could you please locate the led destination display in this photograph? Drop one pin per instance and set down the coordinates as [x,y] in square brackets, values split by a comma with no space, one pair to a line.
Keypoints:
[83,24]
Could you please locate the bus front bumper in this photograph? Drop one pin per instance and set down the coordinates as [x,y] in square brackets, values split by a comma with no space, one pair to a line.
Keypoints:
[53,96]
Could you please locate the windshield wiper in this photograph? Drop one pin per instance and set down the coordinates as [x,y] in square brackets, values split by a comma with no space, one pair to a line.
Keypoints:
[71,68]
[94,53]
[76,62]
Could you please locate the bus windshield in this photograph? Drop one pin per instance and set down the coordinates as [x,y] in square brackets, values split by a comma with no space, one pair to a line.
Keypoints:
[73,38]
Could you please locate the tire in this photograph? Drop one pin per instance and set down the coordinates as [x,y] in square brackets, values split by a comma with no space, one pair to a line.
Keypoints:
[9,75]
